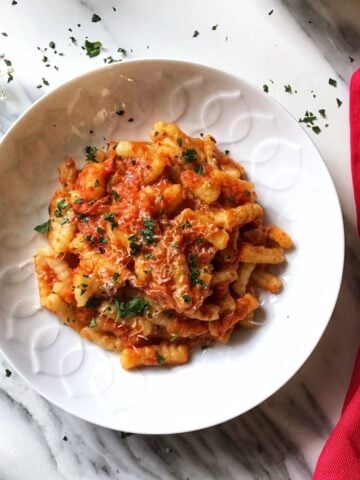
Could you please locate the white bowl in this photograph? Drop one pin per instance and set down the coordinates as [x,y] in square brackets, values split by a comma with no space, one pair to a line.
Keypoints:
[293,185]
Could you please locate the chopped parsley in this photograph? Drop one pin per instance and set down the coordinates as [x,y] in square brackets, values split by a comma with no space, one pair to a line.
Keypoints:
[110,59]
[73,39]
[214,27]
[131,308]
[4,34]
[316,129]
[7,62]
[189,155]
[52,45]
[186,224]
[43,227]
[93,49]
[288,89]
[122,51]
[120,112]
[178,141]
[173,337]
[339,102]
[159,358]
[196,33]
[103,240]
[95,18]
[45,82]
[149,256]
[309,117]
[115,277]
[64,220]
[93,323]
[100,230]
[332,82]
[200,170]
[8,372]
[115,195]
[148,232]
[271,12]
[90,153]
[194,272]
[135,248]
[92,302]
[90,238]
[60,206]
[265,88]
[110,217]
[82,217]
[186,298]
[96,183]
[322,112]
[10,78]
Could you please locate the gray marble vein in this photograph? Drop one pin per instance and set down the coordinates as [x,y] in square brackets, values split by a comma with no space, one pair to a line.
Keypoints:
[334,27]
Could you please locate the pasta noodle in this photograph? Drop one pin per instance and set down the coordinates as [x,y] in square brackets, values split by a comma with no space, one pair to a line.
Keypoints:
[157,247]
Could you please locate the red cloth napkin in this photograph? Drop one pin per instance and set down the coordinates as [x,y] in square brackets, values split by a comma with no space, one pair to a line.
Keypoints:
[355,139]
[340,458]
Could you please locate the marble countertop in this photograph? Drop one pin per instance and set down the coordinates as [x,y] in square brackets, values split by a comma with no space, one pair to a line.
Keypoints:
[277,43]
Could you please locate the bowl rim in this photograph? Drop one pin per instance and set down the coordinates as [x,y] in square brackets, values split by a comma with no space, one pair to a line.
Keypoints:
[217,421]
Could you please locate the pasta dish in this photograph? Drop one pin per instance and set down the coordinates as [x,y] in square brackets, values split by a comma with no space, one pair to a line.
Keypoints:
[155,248]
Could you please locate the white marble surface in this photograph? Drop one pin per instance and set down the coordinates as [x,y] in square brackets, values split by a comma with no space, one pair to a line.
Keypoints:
[281,438]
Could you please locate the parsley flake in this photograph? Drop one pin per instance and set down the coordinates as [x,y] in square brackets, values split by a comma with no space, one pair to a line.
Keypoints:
[95,18]
[339,102]
[93,49]
[135,248]
[194,272]
[214,27]
[200,170]
[8,372]
[309,117]
[115,195]
[288,89]
[110,217]
[266,88]
[52,45]
[322,112]
[186,298]
[316,129]
[116,277]
[189,155]
[160,359]
[60,206]
[196,34]
[133,307]
[43,227]
[178,141]
[332,82]
[90,153]
[148,232]
[93,323]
